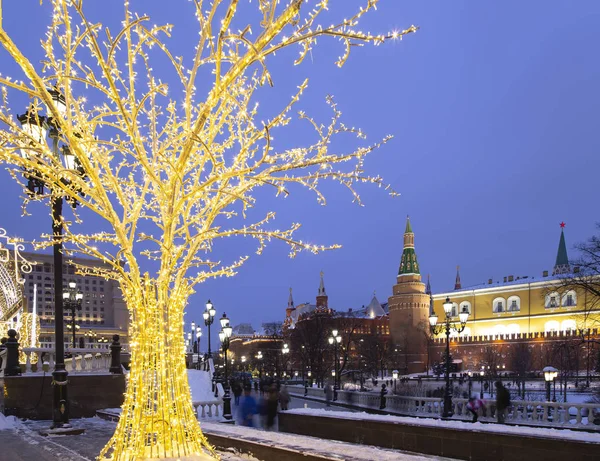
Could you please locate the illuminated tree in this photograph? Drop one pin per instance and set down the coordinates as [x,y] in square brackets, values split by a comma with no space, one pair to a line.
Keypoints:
[172,169]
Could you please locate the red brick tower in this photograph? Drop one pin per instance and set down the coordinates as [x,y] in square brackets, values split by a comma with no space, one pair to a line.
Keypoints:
[409,309]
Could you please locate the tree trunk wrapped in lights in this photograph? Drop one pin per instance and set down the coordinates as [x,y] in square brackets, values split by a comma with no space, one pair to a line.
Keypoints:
[165,167]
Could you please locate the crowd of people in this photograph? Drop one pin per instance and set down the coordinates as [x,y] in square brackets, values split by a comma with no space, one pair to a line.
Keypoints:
[257,403]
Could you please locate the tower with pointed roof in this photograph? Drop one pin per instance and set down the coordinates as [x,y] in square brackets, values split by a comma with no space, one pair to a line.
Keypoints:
[409,308]
[289,311]
[457,284]
[562,265]
[322,296]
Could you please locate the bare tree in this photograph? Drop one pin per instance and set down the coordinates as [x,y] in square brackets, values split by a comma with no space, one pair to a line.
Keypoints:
[521,364]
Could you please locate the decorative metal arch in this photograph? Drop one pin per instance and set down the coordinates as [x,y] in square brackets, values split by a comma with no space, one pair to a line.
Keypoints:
[12,266]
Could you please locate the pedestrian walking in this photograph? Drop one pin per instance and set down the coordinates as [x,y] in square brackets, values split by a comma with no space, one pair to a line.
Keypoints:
[473,407]
[382,392]
[284,398]
[248,408]
[328,394]
[502,401]
[237,392]
[272,403]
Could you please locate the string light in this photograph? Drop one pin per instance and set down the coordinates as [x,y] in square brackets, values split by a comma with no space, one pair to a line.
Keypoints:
[183,164]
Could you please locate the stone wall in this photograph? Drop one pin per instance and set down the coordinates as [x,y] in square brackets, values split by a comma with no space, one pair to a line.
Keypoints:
[439,441]
[32,396]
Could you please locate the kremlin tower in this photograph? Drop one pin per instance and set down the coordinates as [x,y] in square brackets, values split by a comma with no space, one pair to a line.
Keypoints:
[409,308]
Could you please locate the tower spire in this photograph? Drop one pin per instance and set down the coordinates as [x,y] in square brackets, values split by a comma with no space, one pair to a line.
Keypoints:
[290,299]
[562,260]
[322,286]
[457,284]
[408,263]
[322,300]
[430,293]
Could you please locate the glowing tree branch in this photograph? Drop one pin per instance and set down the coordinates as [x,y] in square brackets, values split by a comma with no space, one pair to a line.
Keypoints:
[172,169]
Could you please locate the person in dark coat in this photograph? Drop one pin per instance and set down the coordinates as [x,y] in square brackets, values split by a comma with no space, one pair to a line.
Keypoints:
[237,392]
[502,401]
[272,403]
[328,394]
[284,398]
[382,397]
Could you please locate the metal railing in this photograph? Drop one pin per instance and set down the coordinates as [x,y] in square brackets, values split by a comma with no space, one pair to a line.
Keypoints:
[549,414]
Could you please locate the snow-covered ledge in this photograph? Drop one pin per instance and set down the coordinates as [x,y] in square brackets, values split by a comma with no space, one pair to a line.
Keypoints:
[545,432]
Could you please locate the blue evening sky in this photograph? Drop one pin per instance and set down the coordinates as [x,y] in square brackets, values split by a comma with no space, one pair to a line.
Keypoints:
[494,111]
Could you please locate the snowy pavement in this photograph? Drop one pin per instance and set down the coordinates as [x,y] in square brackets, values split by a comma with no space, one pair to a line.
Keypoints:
[24,443]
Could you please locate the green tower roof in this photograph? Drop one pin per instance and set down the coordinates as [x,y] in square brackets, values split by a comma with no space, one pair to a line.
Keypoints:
[562,260]
[408,263]
[561,256]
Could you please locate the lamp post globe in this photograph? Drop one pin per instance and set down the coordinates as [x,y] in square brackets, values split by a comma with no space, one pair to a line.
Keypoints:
[209,317]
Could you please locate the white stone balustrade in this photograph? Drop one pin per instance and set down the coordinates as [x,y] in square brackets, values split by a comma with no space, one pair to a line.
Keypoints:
[551,414]
[210,409]
[84,360]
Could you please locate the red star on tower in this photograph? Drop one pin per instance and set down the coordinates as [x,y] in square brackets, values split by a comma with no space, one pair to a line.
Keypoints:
[562,225]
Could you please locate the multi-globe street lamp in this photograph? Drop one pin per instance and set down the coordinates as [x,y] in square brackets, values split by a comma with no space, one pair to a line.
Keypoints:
[38,127]
[91,335]
[72,298]
[447,327]
[224,336]
[335,339]
[284,351]
[198,336]
[209,318]
[259,357]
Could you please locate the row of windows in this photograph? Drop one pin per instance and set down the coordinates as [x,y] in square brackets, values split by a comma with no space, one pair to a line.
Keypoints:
[513,328]
[512,304]
[553,300]
[86,281]
[568,299]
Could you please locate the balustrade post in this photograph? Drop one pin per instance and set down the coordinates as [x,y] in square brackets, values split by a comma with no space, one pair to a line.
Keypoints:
[12,355]
[115,351]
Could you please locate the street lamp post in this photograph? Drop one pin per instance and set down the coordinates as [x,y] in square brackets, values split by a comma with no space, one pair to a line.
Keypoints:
[335,339]
[448,327]
[209,318]
[259,356]
[38,127]
[72,301]
[550,374]
[481,373]
[395,377]
[198,336]
[284,351]
[224,336]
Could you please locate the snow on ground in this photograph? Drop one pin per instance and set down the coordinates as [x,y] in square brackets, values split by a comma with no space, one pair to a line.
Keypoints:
[453,424]
[201,385]
[8,422]
[312,445]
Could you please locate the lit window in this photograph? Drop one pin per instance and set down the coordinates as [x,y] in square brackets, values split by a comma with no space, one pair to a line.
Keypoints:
[569,299]
[498,305]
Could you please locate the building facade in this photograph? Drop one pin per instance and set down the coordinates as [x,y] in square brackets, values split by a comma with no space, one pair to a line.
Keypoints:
[103,311]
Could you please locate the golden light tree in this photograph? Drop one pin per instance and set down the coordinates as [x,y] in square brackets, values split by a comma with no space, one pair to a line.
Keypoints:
[165,167]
